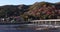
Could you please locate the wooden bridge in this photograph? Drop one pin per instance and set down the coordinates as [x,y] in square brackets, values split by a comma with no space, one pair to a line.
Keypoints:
[49,22]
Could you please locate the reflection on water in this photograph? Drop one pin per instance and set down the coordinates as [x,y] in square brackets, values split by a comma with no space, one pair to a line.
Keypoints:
[22,28]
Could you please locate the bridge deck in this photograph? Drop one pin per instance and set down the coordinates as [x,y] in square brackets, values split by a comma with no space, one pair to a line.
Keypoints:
[46,20]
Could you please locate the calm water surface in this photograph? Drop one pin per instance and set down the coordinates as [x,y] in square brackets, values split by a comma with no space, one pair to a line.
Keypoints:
[13,28]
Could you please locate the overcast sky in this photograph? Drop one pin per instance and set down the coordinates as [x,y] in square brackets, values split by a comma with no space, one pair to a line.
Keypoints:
[27,2]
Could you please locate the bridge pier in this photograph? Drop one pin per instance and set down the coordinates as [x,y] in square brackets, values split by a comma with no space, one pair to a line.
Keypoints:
[55,22]
[45,22]
[42,22]
[49,22]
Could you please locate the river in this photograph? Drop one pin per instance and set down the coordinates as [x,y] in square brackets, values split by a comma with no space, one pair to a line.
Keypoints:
[14,28]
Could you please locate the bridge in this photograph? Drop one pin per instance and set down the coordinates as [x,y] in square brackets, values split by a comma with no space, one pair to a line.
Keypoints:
[49,22]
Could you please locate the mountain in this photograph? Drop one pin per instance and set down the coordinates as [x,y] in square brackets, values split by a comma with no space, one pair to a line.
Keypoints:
[44,10]
[36,11]
[12,10]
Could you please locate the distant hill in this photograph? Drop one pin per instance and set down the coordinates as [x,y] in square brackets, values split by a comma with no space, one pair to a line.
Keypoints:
[39,10]
[44,10]
[12,10]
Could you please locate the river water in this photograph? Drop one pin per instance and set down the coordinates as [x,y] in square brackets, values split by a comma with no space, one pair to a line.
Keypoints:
[22,28]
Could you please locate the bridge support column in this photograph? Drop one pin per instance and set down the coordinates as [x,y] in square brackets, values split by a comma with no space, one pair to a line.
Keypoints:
[37,22]
[45,22]
[42,22]
[55,22]
[34,23]
[50,22]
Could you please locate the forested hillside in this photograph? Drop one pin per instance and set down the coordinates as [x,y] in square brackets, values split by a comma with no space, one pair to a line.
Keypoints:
[44,10]
[36,11]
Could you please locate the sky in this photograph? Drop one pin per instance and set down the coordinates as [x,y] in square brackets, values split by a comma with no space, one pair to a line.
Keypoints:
[26,2]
